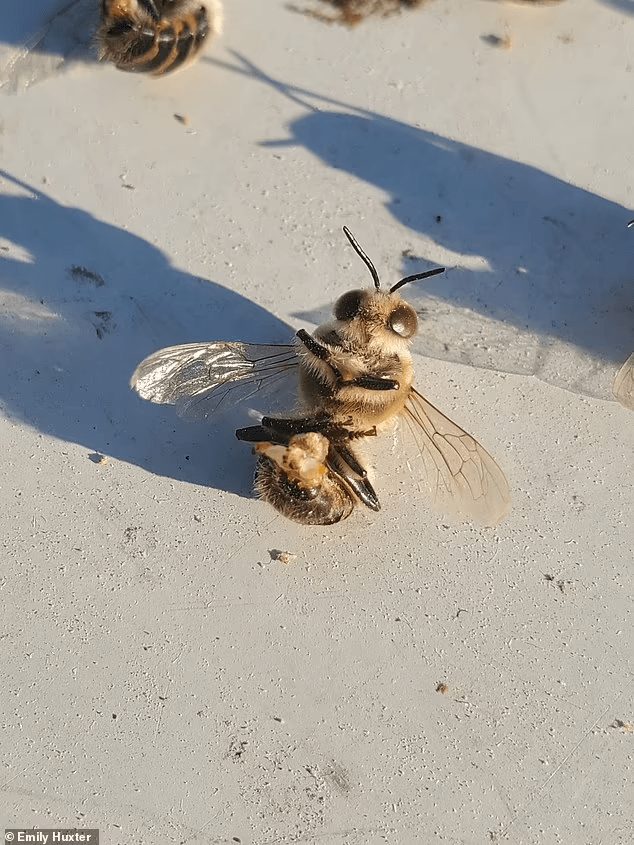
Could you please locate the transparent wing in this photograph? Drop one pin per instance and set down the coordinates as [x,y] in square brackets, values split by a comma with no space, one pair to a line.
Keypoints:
[460,472]
[453,333]
[207,379]
[623,386]
[64,39]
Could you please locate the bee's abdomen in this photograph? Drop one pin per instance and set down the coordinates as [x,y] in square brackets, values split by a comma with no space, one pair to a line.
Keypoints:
[155,47]
[170,47]
[320,504]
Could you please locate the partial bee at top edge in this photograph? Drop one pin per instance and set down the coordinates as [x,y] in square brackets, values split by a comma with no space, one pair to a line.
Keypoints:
[355,381]
[156,37]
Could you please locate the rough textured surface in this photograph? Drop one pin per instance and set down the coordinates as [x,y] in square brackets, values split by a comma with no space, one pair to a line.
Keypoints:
[168,676]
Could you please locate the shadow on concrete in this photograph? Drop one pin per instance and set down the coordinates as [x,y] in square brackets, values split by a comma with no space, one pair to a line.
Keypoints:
[543,278]
[81,303]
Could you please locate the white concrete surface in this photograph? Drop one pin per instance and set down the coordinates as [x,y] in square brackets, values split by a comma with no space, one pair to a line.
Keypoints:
[163,678]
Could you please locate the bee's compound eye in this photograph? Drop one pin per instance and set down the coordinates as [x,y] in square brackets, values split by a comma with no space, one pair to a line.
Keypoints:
[403,321]
[348,306]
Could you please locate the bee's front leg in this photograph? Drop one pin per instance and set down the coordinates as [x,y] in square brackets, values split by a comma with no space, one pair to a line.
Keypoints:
[369,382]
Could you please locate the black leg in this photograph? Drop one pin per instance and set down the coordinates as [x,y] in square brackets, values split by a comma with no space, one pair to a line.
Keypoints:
[276,430]
[318,350]
[351,460]
[371,383]
[303,425]
[342,466]
[259,434]
[313,345]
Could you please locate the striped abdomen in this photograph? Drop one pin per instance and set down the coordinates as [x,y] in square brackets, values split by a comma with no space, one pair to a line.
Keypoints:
[145,36]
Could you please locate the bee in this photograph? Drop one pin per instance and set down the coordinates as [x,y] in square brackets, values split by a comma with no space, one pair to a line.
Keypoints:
[355,380]
[352,12]
[155,36]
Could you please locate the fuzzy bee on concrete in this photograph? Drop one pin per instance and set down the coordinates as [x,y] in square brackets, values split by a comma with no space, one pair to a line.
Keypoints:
[155,36]
[355,381]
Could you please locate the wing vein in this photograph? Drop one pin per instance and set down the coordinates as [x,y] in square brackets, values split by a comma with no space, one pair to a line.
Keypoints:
[460,473]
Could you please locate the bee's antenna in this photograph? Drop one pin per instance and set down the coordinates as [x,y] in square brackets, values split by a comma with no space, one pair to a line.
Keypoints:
[417,276]
[362,255]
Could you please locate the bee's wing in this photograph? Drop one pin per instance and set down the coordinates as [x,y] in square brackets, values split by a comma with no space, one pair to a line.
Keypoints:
[207,379]
[451,332]
[461,474]
[623,386]
[64,38]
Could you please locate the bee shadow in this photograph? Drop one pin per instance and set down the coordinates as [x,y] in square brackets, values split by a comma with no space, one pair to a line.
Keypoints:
[81,303]
[550,288]
[542,278]
[47,38]
[626,7]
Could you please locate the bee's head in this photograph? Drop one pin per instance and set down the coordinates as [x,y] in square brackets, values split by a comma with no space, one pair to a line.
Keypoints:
[382,314]
[377,312]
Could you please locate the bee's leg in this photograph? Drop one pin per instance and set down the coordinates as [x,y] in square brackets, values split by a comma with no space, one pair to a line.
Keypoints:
[343,463]
[316,348]
[371,432]
[364,490]
[368,382]
[351,460]
[371,383]
[302,425]
[318,351]
[260,434]
[280,430]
